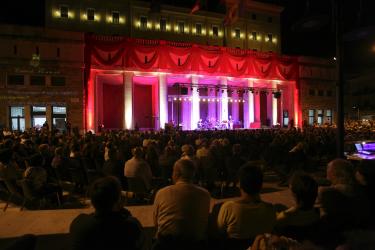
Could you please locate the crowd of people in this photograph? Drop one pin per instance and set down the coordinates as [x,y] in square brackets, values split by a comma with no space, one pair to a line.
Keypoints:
[188,165]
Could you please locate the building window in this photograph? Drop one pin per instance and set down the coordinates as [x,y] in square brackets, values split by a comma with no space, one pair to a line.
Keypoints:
[115,17]
[215,31]
[311,117]
[15,51]
[57,52]
[198,29]
[285,118]
[38,116]
[181,27]
[329,93]
[58,81]
[64,11]
[143,21]
[269,38]
[59,117]
[237,33]
[320,92]
[37,50]
[163,24]
[312,92]
[90,14]
[16,80]
[253,36]
[254,16]
[320,116]
[329,116]
[17,118]
[37,80]
[270,19]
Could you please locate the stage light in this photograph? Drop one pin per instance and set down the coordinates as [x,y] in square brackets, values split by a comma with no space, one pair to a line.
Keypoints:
[175,99]
[179,99]
[204,99]
[184,99]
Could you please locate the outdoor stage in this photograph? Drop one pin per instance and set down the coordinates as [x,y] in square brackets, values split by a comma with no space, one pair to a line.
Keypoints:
[135,83]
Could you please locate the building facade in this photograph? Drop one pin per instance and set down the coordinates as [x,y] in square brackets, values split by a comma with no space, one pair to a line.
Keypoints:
[41,77]
[95,65]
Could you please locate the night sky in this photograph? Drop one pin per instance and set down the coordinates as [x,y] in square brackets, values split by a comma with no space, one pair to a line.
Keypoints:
[319,42]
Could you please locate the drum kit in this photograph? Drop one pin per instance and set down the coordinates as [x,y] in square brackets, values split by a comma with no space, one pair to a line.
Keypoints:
[212,124]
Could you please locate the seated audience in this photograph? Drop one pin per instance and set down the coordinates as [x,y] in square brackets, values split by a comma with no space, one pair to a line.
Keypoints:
[110,227]
[298,220]
[137,167]
[181,211]
[242,220]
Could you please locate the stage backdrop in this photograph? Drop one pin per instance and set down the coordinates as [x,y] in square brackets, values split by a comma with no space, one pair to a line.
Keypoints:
[115,52]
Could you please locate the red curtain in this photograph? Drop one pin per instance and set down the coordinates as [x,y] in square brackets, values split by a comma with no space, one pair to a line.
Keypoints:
[158,55]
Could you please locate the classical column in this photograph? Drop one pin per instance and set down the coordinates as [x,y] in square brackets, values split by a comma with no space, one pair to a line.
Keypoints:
[128,100]
[195,112]
[212,104]
[269,97]
[163,100]
[257,106]
[90,106]
[224,100]
[248,106]
[49,116]
[235,107]
[28,117]
[274,106]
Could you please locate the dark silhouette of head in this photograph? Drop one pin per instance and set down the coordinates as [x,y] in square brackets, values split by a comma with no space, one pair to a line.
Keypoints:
[105,194]
[251,179]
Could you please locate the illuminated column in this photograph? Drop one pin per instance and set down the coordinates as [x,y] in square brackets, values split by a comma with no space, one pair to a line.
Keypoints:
[274,106]
[249,107]
[90,106]
[257,106]
[28,116]
[49,116]
[212,104]
[269,107]
[195,112]
[235,106]
[163,100]
[224,101]
[128,100]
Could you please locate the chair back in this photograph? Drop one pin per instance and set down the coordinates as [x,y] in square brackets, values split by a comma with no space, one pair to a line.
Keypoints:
[136,185]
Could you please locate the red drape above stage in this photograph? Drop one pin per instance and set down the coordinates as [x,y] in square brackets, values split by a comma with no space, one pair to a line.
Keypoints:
[109,52]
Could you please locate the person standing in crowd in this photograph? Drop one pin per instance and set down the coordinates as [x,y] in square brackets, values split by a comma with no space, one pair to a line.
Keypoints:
[111,226]
[181,211]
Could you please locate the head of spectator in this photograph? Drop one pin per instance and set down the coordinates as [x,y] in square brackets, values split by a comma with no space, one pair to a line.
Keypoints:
[137,152]
[340,171]
[44,149]
[75,150]
[105,195]
[304,189]
[183,170]
[187,150]
[250,179]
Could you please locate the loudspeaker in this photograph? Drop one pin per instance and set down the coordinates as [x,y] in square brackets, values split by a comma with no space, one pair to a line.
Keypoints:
[277,94]
[184,91]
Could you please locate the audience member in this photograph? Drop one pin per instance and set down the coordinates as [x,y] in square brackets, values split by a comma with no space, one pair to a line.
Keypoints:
[138,168]
[111,226]
[181,211]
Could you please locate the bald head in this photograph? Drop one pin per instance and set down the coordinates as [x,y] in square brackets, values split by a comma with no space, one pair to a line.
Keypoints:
[183,170]
[340,171]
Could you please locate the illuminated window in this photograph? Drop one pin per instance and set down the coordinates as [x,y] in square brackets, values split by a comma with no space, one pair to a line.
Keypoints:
[17,118]
[320,116]
[59,117]
[143,21]
[115,17]
[329,116]
[64,11]
[237,33]
[38,116]
[198,28]
[181,27]
[215,31]
[90,14]
[163,24]
[311,116]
